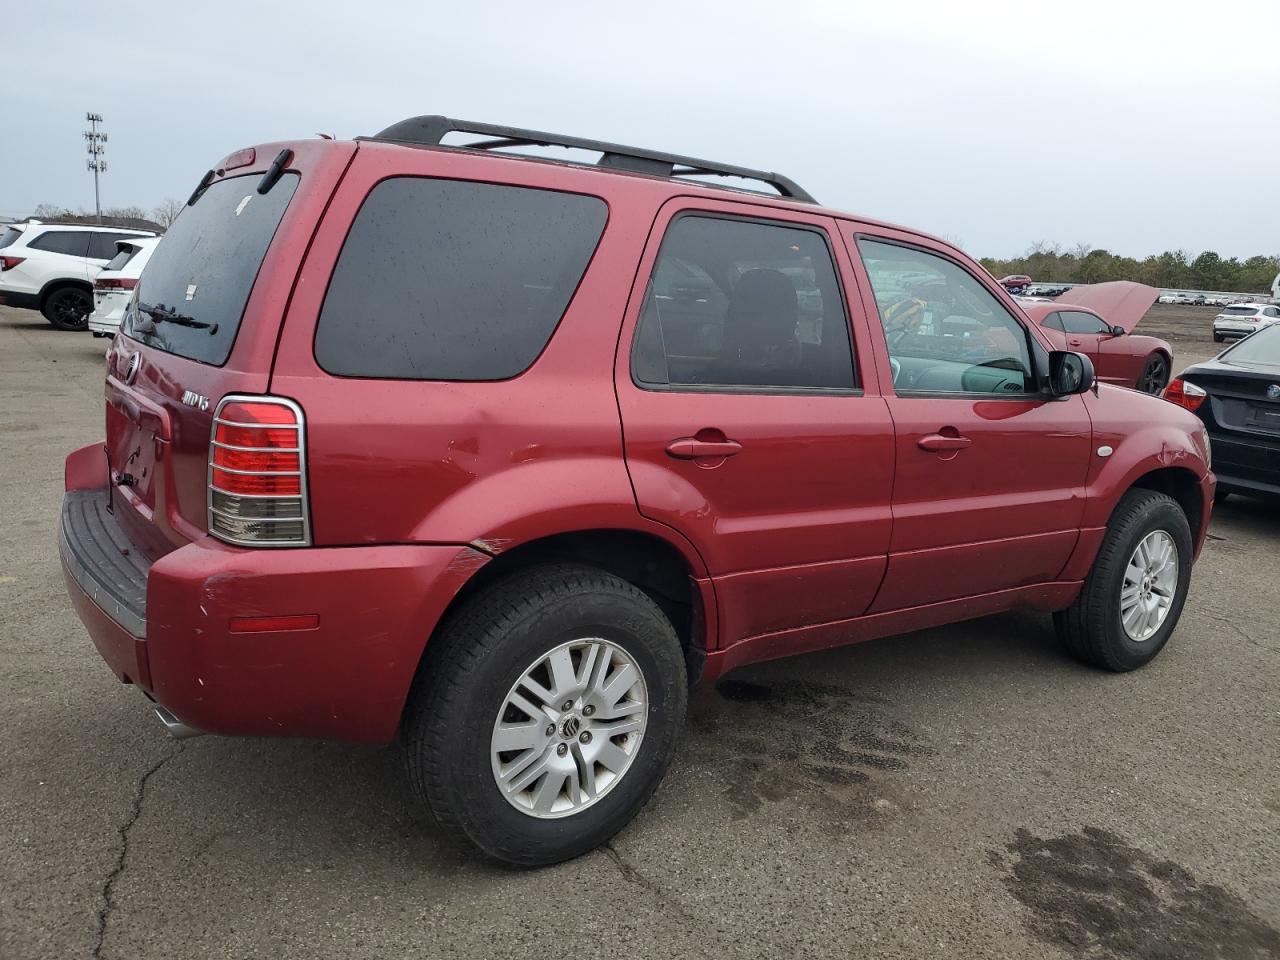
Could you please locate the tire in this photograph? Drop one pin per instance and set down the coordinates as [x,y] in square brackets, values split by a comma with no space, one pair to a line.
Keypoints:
[1091,629]
[1218,338]
[471,671]
[1155,374]
[1220,494]
[68,308]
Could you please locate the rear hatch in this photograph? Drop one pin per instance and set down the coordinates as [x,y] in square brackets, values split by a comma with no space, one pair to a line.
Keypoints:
[203,323]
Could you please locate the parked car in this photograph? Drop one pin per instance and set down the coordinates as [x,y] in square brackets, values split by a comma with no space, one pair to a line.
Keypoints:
[113,287]
[1243,319]
[1016,283]
[50,267]
[1100,323]
[1237,395]
[383,463]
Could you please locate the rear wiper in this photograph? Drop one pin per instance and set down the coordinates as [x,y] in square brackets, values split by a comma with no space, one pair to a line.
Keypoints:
[159,312]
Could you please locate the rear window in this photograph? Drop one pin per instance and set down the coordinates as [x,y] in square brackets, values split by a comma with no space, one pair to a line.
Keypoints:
[9,236]
[452,280]
[205,268]
[120,259]
[1241,311]
[1262,347]
[73,243]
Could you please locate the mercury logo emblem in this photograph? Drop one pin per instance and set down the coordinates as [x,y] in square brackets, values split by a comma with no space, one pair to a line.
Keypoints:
[131,369]
[1273,391]
[569,729]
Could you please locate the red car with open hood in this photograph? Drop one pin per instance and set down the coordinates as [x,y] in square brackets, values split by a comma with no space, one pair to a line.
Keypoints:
[1098,320]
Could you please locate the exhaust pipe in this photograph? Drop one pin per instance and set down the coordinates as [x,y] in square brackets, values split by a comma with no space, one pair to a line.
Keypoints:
[175,727]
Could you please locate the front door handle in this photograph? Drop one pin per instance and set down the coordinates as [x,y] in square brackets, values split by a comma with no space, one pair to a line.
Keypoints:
[937,443]
[1075,343]
[691,448]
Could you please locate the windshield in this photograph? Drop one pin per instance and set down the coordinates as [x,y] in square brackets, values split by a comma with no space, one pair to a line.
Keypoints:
[10,235]
[1240,311]
[1262,347]
[196,284]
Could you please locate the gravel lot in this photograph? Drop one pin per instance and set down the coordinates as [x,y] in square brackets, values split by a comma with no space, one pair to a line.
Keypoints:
[963,792]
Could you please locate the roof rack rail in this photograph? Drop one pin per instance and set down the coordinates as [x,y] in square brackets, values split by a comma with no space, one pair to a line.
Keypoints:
[431,129]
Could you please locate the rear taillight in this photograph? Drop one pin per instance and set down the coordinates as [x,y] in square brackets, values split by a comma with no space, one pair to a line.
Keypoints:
[122,283]
[1185,394]
[257,473]
[8,263]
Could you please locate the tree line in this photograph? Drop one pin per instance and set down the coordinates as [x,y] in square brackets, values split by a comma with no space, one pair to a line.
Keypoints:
[161,215]
[1051,263]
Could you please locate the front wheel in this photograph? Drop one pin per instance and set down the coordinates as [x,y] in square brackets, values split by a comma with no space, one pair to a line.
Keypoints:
[1131,601]
[1155,374]
[546,713]
[68,308]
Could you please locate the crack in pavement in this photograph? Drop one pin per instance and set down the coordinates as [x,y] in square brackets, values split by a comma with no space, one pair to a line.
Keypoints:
[108,884]
[633,876]
[1240,630]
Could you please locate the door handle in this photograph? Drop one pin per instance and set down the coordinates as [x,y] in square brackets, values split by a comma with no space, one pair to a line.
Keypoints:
[937,443]
[1074,343]
[691,448]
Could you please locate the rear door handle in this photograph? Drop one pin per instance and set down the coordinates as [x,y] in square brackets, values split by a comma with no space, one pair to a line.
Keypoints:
[937,443]
[1074,343]
[691,448]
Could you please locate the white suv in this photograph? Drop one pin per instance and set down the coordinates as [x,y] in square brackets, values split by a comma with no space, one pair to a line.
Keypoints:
[1243,319]
[50,267]
[114,285]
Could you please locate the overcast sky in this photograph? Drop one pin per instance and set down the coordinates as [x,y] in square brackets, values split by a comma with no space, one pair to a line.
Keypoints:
[1135,126]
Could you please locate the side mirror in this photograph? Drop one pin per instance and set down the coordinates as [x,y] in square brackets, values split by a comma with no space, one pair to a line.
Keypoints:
[1118,331]
[1069,373]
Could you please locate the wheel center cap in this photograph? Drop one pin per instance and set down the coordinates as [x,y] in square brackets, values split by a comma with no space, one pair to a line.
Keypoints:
[570,726]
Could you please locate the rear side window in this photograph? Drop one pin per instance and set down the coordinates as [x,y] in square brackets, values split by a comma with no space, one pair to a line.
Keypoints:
[9,236]
[740,303]
[120,259]
[192,295]
[453,280]
[74,243]
[102,246]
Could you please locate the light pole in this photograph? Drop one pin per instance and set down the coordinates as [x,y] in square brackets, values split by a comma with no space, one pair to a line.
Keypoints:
[94,141]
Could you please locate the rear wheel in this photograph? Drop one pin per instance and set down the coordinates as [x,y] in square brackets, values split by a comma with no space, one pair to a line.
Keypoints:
[68,308]
[546,714]
[1155,374]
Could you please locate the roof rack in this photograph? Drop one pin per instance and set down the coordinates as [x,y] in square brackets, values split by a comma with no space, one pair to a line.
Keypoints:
[430,130]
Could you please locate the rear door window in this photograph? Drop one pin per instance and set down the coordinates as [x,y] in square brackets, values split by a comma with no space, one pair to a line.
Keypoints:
[73,243]
[736,303]
[453,280]
[102,246]
[201,276]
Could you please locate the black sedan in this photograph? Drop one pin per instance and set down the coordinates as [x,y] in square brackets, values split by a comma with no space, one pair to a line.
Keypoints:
[1237,395]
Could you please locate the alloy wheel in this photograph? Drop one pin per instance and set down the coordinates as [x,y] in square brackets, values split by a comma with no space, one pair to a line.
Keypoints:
[1150,583]
[569,728]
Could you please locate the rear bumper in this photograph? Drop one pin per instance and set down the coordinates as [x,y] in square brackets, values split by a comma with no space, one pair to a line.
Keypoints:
[24,301]
[345,678]
[1251,464]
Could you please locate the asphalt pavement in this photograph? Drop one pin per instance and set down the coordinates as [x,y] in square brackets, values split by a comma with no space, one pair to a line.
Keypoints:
[962,792]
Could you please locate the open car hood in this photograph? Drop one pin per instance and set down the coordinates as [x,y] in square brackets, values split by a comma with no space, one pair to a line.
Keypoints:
[1122,303]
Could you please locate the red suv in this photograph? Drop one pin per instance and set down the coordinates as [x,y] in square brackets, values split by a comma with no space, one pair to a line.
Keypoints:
[498,455]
